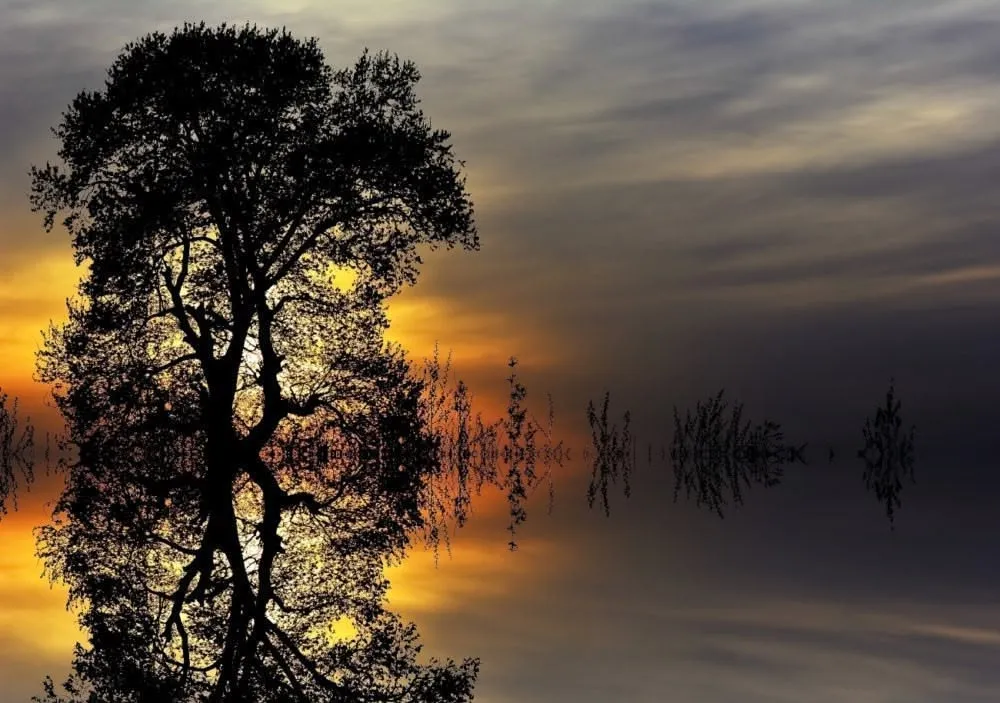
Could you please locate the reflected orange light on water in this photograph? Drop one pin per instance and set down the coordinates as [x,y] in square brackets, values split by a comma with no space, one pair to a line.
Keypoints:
[35,626]
[31,296]
[37,632]
[33,610]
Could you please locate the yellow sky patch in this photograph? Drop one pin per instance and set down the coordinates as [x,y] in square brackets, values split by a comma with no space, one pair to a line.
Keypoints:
[31,296]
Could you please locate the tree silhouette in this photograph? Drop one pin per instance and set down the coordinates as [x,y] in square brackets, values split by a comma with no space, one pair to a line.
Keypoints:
[888,453]
[245,212]
[614,451]
[716,456]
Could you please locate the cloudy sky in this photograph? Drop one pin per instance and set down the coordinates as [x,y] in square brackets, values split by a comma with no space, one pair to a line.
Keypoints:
[793,199]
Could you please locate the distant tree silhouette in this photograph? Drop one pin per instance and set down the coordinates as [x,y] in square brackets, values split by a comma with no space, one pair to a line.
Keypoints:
[17,438]
[614,454]
[717,456]
[888,453]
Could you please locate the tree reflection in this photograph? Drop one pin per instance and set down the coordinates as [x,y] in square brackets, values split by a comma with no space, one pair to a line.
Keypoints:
[888,453]
[717,454]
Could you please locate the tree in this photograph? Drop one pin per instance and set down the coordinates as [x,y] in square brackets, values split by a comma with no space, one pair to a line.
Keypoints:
[244,213]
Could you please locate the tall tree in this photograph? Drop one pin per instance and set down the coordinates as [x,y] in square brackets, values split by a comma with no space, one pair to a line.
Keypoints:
[244,212]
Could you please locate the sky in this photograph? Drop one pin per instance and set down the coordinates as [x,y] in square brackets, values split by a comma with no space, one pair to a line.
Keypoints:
[791,199]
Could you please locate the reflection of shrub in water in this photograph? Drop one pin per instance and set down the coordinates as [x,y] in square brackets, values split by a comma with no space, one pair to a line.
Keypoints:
[888,453]
[716,454]
[16,443]
[514,454]
[614,454]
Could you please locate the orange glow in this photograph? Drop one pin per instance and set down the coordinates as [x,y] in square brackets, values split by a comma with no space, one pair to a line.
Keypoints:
[34,623]
[479,569]
[30,296]
[477,340]
[33,617]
